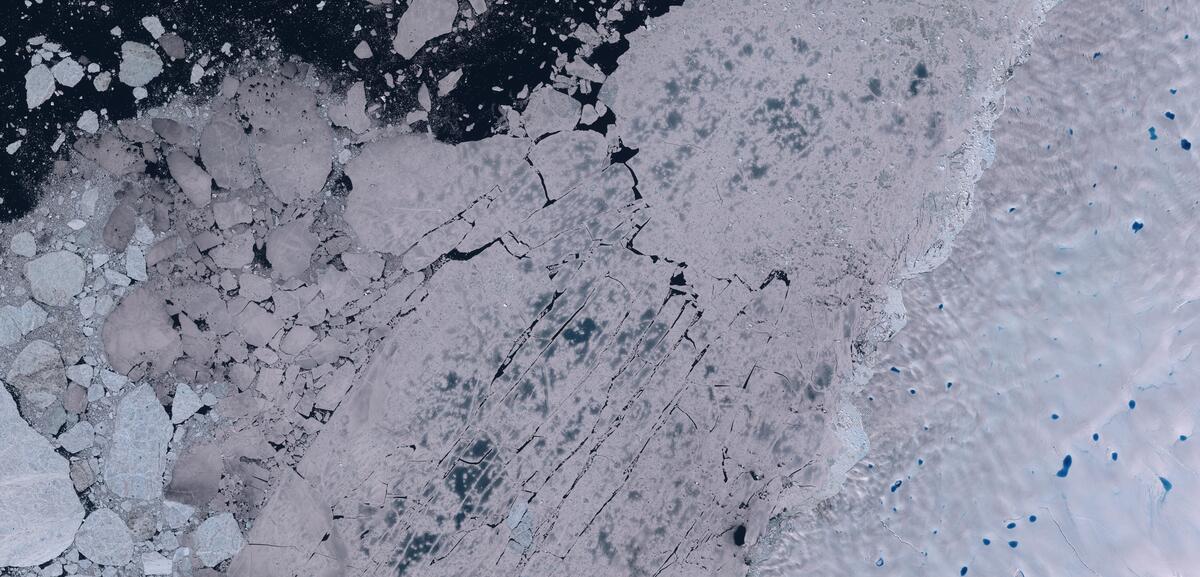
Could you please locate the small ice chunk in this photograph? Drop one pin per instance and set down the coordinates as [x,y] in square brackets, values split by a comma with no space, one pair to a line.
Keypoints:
[105,539]
[13,147]
[89,122]
[154,26]
[363,50]
[67,72]
[197,74]
[102,81]
[116,277]
[55,278]
[135,264]
[423,98]
[23,244]
[449,81]
[113,382]
[290,248]
[139,64]
[173,45]
[81,374]
[39,86]
[423,21]
[218,538]
[77,438]
[185,404]
[76,224]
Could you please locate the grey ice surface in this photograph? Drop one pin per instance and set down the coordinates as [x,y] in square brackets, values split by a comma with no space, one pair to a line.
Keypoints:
[39,510]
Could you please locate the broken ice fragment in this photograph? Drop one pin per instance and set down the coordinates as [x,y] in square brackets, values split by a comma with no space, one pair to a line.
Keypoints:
[39,510]
[67,72]
[293,144]
[39,86]
[193,180]
[37,374]
[449,81]
[218,538]
[176,514]
[101,81]
[352,113]
[55,278]
[139,336]
[173,45]
[154,26]
[236,252]
[88,122]
[135,264]
[16,322]
[549,110]
[363,50]
[423,21]
[154,563]
[137,453]
[185,403]
[77,438]
[105,539]
[139,64]
[256,325]
[23,244]
[289,249]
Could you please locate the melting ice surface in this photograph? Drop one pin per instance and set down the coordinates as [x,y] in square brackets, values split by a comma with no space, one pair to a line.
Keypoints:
[1066,320]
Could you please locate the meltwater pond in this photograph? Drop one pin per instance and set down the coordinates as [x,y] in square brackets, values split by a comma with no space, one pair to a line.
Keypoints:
[1039,417]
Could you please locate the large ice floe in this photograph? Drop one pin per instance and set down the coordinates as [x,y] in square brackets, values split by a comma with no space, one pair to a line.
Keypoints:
[643,329]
